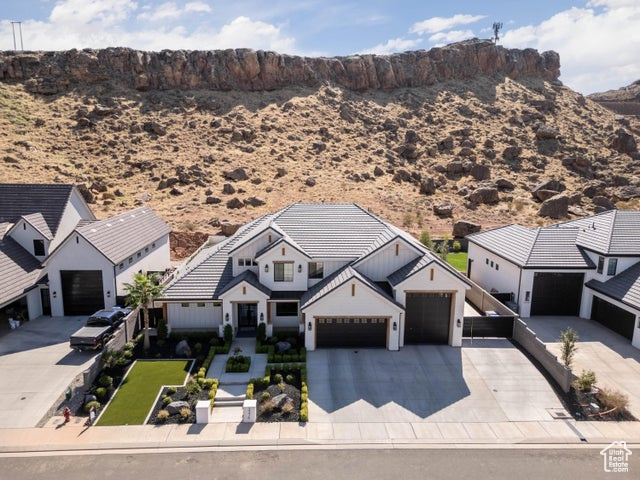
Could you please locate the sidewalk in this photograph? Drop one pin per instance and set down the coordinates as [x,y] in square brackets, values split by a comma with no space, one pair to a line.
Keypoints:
[77,437]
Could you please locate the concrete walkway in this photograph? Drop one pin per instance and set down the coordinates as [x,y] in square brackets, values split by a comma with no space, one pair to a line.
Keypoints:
[77,437]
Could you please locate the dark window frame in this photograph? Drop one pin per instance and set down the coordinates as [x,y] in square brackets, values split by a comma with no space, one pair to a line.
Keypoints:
[286,309]
[281,273]
[600,265]
[613,262]
[38,247]
[316,272]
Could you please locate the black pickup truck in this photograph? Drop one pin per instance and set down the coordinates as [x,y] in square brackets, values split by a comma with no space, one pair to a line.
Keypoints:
[98,329]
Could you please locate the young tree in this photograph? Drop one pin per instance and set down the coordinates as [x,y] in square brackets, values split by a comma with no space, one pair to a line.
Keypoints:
[568,338]
[443,248]
[425,239]
[140,293]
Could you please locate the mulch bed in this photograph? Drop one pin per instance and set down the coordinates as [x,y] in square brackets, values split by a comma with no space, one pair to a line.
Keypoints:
[276,415]
[181,394]
[579,408]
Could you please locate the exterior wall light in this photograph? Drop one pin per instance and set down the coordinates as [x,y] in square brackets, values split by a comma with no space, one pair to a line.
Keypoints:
[299,268]
[108,293]
[55,294]
[309,326]
[226,317]
[395,326]
[459,323]
[266,268]
[261,317]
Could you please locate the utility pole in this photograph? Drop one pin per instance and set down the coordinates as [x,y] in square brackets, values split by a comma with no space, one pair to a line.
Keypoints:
[497,26]
[13,29]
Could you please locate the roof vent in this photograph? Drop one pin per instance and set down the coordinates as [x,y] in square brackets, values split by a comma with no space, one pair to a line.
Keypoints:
[122,219]
[93,230]
[108,224]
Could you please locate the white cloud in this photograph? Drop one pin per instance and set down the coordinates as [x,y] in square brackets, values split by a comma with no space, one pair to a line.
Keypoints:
[393,45]
[598,48]
[439,24]
[107,23]
[451,36]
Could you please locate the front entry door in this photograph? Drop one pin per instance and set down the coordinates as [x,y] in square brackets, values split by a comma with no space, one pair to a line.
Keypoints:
[247,315]
[46,301]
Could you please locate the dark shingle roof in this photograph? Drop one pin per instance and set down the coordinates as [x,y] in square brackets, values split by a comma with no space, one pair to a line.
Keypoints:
[337,279]
[123,235]
[549,247]
[19,269]
[410,269]
[624,287]
[37,221]
[246,276]
[17,200]
[614,232]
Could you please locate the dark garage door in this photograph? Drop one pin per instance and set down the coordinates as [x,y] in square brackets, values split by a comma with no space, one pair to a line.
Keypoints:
[351,332]
[82,291]
[427,318]
[615,318]
[556,293]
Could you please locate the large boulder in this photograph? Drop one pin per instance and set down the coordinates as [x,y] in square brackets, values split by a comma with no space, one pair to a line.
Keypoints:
[555,207]
[282,346]
[183,349]
[462,228]
[236,175]
[254,201]
[485,195]
[428,186]
[623,142]
[444,210]
[174,407]
[480,172]
[281,400]
[229,229]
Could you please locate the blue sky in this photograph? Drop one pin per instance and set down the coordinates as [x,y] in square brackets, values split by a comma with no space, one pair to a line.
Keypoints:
[598,40]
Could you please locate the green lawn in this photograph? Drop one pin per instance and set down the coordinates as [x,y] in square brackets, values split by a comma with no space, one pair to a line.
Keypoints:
[458,261]
[132,402]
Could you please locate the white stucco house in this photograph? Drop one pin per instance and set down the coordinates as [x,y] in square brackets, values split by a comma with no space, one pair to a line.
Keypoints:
[57,259]
[588,267]
[336,272]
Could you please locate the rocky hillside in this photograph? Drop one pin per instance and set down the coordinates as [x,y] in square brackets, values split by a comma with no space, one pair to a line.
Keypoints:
[624,101]
[471,131]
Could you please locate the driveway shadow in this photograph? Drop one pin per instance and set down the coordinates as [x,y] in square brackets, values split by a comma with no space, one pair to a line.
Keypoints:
[421,380]
[75,358]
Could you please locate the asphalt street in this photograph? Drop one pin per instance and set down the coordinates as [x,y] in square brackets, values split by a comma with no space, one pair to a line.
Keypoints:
[495,464]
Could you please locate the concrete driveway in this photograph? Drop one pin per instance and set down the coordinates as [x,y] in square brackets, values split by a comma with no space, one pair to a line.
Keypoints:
[487,381]
[614,360]
[36,366]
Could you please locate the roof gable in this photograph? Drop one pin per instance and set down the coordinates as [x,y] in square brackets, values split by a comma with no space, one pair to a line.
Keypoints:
[278,242]
[624,287]
[250,278]
[20,270]
[23,200]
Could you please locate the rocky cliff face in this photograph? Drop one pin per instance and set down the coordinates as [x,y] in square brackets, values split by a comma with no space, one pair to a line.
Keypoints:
[248,70]
[625,100]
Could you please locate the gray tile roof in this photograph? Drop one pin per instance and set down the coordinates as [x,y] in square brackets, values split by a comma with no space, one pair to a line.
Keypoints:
[37,221]
[548,247]
[337,279]
[614,232]
[19,269]
[278,242]
[512,242]
[17,200]
[410,269]
[123,235]
[246,276]
[624,287]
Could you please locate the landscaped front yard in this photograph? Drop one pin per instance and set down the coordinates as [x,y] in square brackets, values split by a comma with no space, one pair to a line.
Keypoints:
[458,261]
[134,399]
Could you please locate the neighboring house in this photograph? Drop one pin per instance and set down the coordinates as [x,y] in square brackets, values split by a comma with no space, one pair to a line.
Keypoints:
[588,267]
[336,272]
[34,220]
[56,259]
[87,271]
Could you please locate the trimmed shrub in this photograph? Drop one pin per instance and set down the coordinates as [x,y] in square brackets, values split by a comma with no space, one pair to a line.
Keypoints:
[129,346]
[586,380]
[96,405]
[277,378]
[273,340]
[304,413]
[166,401]
[163,415]
[171,390]
[261,332]
[208,383]
[249,392]
[101,392]
[161,329]
[456,246]
[197,347]
[290,379]
[105,381]
[265,396]
[193,388]
[228,334]
[214,341]
[139,337]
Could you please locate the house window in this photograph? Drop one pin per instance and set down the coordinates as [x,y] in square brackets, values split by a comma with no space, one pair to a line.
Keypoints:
[200,304]
[139,254]
[121,266]
[130,259]
[527,296]
[246,262]
[153,245]
[497,267]
[613,266]
[283,272]
[486,261]
[600,264]
[287,309]
[491,263]
[38,248]
[316,270]
[185,305]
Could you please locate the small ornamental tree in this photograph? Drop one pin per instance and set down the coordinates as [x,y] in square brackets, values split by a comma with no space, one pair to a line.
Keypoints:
[140,293]
[425,239]
[443,248]
[568,338]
